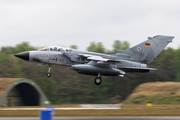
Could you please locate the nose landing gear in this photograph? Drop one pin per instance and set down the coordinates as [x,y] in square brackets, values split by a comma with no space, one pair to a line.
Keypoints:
[48,73]
[98,79]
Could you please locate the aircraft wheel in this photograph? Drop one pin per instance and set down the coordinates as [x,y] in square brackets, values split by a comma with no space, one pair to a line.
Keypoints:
[48,74]
[98,80]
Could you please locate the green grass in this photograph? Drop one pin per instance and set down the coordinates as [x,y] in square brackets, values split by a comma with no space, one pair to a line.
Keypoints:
[156,93]
[126,110]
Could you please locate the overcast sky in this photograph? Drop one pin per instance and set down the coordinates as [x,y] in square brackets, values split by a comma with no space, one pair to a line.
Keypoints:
[79,22]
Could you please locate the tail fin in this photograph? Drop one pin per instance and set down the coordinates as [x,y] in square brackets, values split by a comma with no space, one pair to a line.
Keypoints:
[148,50]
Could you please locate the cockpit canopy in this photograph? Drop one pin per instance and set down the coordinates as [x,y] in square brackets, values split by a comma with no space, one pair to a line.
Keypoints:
[56,48]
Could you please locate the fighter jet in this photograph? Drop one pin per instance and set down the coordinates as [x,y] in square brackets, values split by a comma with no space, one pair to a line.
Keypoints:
[133,60]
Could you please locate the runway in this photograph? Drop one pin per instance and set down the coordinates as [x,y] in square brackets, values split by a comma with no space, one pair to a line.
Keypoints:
[59,108]
[83,107]
[99,118]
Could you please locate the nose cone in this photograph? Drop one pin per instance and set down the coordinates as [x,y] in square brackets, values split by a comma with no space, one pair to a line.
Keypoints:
[23,55]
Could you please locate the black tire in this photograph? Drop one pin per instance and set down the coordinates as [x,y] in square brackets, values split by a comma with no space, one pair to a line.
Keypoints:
[98,80]
[48,74]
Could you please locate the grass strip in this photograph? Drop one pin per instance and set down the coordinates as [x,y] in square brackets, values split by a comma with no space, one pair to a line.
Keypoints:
[127,110]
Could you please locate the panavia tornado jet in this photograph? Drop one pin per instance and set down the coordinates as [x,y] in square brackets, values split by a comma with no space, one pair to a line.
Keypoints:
[133,60]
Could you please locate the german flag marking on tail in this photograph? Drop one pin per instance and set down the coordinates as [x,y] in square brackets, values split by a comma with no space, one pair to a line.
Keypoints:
[147,45]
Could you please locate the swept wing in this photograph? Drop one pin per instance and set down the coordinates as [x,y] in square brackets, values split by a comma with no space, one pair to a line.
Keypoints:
[98,58]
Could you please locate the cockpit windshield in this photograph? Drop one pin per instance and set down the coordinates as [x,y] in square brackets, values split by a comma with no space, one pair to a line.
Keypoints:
[56,48]
[43,49]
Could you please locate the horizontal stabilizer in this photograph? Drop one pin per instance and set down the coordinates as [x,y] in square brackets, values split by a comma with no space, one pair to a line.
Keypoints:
[136,69]
[151,69]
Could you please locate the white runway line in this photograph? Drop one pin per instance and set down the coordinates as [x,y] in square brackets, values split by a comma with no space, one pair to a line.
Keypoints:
[100,105]
[83,107]
[59,108]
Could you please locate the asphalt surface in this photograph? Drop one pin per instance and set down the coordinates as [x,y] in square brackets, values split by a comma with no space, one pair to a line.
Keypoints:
[59,108]
[83,107]
[99,118]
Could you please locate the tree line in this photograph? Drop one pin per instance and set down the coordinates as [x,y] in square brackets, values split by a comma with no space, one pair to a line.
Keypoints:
[67,86]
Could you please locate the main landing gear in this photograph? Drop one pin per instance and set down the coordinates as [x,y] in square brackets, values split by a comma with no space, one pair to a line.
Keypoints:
[98,79]
[48,73]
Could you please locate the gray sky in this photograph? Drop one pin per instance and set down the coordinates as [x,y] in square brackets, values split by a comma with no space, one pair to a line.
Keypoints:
[79,22]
